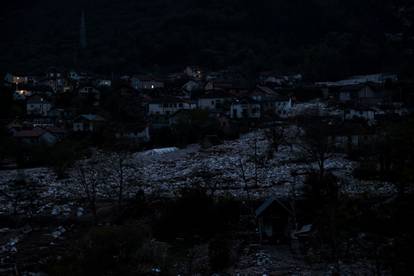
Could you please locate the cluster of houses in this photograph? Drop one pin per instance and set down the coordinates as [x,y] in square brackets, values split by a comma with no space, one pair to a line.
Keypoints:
[227,96]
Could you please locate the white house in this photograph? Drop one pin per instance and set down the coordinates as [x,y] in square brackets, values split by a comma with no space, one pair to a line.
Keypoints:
[245,109]
[168,106]
[146,83]
[103,83]
[313,108]
[37,105]
[88,90]
[363,113]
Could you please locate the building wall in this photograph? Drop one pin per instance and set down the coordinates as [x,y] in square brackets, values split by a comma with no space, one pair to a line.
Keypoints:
[168,108]
[38,108]
[146,84]
[245,110]
[210,104]
[84,126]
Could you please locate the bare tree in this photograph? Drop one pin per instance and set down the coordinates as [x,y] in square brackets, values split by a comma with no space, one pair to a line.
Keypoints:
[317,145]
[120,176]
[116,173]
[90,181]
[276,137]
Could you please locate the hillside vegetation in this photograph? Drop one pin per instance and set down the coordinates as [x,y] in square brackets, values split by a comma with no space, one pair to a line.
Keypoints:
[321,38]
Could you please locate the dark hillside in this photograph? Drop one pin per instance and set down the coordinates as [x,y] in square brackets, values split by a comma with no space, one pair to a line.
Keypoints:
[324,39]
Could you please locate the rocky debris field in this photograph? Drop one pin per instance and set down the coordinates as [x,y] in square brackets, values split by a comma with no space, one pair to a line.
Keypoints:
[279,260]
[237,168]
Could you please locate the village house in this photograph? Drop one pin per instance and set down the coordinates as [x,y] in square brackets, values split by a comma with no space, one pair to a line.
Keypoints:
[360,112]
[378,79]
[59,114]
[245,108]
[58,132]
[13,79]
[88,123]
[103,83]
[146,83]
[56,79]
[35,136]
[363,94]
[216,100]
[42,122]
[280,106]
[24,91]
[38,106]
[272,102]
[273,219]
[192,86]
[194,72]
[229,86]
[352,135]
[86,90]
[311,108]
[14,127]
[134,132]
[91,92]
[168,106]
[275,80]
[21,94]
[73,75]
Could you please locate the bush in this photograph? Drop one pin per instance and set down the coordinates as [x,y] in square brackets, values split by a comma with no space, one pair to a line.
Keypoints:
[112,250]
[219,253]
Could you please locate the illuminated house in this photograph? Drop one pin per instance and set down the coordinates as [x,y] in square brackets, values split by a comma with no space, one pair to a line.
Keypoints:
[38,106]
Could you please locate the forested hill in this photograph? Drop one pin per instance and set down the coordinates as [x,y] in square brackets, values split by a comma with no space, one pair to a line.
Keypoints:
[322,38]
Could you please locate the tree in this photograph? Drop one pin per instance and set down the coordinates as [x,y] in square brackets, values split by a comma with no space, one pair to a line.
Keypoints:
[62,156]
[219,253]
[276,137]
[89,180]
[317,145]
[120,176]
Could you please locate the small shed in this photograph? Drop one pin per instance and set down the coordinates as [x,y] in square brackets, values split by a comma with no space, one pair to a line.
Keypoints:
[273,217]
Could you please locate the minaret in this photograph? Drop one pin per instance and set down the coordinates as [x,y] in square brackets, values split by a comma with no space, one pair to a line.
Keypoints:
[83,42]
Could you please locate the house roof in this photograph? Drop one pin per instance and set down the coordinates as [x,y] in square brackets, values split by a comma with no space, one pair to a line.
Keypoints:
[56,130]
[91,117]
[37,99]
[357,87]
[227,84]
[246,100]
[168,100]
[133,127]
[215,94]
[14,124]
[147,78]
[266,204]
[32,133]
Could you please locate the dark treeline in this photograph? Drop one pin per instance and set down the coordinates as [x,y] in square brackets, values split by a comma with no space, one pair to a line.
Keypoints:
[323,39]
